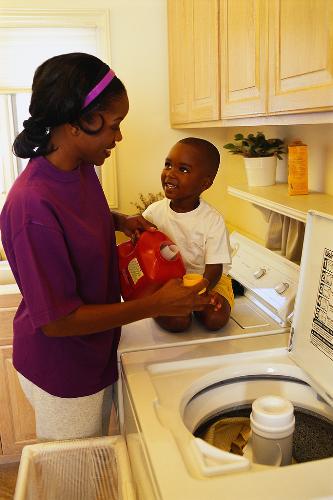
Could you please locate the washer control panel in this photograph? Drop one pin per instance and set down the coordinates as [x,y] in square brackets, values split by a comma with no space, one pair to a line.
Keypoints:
[269,278]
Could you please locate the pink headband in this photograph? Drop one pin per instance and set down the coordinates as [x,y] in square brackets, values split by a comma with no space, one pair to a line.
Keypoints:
[99,88]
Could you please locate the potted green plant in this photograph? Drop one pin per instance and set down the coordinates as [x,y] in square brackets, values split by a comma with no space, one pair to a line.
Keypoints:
[260,157]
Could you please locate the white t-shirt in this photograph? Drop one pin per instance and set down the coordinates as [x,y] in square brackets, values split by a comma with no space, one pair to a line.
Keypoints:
[201,235]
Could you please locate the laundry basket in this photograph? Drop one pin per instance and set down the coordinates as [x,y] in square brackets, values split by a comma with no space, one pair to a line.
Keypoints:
[82,469]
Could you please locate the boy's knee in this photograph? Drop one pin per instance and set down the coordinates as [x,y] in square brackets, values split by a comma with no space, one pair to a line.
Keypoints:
[214,320]
[174,324]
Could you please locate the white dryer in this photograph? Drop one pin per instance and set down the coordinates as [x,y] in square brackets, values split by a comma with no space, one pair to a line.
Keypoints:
[171,393]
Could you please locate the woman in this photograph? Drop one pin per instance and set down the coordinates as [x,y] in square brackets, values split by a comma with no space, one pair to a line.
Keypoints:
[59,237]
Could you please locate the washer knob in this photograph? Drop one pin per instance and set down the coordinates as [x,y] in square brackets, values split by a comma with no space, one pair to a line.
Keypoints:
[234,249]
[281,287]
[259,273]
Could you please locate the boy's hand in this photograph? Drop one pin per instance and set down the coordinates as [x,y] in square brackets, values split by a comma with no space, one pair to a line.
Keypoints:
[132,225]
[135,224]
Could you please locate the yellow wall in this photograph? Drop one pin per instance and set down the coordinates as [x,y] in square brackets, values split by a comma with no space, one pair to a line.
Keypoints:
[139,56]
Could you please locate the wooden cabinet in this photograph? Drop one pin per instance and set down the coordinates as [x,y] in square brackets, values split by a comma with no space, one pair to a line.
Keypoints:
[178,50]
[300,55]
[17,421]
[275,58]
[194,60]
[244,46]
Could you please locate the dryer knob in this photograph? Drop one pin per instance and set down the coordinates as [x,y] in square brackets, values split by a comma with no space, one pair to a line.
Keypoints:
[281,287]
[259,273]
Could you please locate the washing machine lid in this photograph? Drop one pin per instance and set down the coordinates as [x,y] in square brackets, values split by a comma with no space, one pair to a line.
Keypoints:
[311,339]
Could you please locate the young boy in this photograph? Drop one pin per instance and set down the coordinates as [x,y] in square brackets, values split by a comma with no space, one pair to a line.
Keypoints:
[195,227]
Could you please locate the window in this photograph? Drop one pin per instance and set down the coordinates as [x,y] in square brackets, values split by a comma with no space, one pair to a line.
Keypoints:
[13,110]
[27,38]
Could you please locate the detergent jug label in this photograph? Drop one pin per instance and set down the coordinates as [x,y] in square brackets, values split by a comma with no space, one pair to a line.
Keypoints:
[135,270]
[322,325]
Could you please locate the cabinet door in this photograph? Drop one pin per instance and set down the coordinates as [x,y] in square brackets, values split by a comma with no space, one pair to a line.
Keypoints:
[6,325]
[179,50]
[193,60]
[204,80]
[244,40]
[17,421]
[300,55]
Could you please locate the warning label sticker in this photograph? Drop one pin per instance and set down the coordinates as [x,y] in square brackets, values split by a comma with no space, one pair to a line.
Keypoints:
[135,270]
[322,325]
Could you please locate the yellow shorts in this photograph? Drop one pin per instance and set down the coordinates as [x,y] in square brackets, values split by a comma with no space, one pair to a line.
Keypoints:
[224,288]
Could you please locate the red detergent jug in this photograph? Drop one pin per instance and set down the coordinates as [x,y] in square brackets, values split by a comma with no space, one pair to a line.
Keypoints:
[147,264]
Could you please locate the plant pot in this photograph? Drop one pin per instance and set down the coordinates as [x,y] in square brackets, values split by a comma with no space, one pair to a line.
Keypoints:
[261,171]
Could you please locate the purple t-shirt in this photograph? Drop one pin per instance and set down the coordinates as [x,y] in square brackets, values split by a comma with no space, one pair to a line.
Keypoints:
[58,235]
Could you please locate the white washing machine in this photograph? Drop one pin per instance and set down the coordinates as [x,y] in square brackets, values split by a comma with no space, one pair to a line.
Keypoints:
[269,283]
[172,392]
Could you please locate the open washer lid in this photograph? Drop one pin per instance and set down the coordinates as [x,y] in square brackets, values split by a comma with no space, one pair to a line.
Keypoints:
[311,339]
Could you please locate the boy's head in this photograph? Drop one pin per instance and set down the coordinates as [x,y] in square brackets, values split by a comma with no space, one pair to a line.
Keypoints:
[206,152]
[190,169]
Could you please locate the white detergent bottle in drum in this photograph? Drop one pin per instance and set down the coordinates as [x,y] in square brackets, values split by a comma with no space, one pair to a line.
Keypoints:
[272,424]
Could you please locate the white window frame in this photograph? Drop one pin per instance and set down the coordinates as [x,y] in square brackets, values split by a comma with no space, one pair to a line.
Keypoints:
[62,18]
[8,162]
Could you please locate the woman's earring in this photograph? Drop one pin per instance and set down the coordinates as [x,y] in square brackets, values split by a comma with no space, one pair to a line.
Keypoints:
[75,130]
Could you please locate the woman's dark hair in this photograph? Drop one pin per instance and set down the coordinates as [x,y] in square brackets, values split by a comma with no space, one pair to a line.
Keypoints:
[59,88]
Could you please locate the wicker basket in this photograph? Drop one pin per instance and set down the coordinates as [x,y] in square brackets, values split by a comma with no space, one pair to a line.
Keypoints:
[83,469]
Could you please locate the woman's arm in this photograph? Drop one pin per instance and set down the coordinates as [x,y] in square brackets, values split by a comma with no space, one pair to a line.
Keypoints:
[173,299]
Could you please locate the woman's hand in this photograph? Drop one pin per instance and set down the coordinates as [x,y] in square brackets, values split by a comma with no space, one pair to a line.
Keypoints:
[175,299]
[215,300]
[132,225]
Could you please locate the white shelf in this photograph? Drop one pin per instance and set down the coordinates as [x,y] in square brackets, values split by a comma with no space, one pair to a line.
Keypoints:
[276,198]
